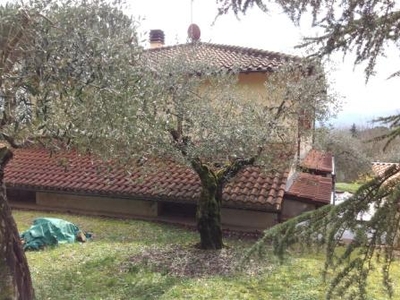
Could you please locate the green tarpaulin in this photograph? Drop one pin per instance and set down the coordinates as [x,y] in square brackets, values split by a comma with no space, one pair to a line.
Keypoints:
[49,232]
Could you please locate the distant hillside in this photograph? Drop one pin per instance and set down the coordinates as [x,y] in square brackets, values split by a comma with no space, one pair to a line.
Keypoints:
[374,149]
[353,149]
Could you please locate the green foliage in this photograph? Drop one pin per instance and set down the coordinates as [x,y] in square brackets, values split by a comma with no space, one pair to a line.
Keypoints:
[376,147]
[365,28]
[79,69]
[60,57]
[347,187]
[302,86]
[213,118]
[375,240]
[350,160]
[368,146]
[353,130]
[394,133]
[205,119]
[55,56]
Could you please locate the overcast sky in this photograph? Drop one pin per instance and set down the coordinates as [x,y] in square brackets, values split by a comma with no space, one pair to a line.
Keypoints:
[274,32]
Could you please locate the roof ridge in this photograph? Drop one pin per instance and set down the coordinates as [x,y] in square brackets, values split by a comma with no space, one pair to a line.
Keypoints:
[233,48]
[238,48]
[228,57]
[385,163]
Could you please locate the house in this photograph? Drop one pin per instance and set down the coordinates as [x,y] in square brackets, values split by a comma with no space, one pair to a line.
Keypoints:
[253,66]
[253,200]
[384,169]
[311,187]
[78,183]
[72,182]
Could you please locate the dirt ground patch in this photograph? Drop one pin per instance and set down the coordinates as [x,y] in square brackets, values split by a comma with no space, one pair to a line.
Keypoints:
[189,261]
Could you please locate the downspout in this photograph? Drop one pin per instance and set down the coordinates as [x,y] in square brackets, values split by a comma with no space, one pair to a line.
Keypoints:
[279,216]
[333,181]
[298,141]
[313,129]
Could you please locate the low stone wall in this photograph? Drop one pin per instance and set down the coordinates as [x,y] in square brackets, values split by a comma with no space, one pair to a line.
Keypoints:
[293,208]
[248,218]
[235,219]
[100,205]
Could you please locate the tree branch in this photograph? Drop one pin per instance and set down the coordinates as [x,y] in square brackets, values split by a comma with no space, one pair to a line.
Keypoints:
[180,142]
[205,173]
[6,62]
[231,170]
[11,140]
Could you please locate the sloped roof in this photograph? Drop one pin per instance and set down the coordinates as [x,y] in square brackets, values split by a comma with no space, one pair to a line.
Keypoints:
[316,160]
[379,168]
[35,169]
[220,56]
[312,188]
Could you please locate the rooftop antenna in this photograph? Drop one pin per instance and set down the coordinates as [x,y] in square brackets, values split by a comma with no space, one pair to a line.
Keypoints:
[191,11]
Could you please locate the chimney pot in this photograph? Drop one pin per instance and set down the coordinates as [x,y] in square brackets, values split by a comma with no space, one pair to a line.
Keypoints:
[157,38]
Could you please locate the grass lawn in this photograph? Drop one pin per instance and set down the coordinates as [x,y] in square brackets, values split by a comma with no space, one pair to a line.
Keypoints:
[347,187]
[130,259]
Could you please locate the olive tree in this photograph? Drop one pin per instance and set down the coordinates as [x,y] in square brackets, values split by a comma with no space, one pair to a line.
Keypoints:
[218,128]
[53,50]
[189,112]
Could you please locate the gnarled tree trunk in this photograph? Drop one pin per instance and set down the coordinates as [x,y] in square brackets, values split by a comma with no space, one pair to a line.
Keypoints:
[208,213]
[15,279]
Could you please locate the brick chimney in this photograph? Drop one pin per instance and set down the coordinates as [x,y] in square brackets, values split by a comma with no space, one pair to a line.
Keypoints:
[156,38]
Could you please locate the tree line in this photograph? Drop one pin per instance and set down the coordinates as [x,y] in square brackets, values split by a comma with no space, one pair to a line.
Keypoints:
[355,148]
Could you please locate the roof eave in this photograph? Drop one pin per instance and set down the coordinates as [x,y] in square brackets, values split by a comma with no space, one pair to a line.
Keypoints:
[304,199]
[140,197]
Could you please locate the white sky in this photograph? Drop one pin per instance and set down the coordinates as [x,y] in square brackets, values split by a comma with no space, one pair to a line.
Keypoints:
[274,32]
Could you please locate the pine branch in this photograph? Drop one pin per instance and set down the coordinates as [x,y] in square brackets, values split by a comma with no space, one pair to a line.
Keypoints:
[394,123]
[325,227]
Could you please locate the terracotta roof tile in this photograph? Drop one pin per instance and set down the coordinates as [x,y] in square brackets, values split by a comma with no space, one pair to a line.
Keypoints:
[253,187]
[318,161]
[220,56]
[35,169]
[378,168]
[312,187]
